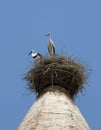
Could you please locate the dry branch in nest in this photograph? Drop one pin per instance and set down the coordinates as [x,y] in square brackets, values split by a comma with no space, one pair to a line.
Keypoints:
[57,70]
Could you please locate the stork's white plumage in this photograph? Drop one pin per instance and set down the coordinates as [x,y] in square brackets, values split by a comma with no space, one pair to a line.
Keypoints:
[36,56]
[51,48]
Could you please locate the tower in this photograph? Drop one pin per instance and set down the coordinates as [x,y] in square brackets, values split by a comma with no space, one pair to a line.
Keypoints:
[57,80]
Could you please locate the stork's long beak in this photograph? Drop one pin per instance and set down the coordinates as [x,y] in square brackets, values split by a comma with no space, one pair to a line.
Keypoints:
[46,35]
[30,53]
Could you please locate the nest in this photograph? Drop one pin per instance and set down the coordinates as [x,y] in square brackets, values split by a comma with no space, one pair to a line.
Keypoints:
[58,70]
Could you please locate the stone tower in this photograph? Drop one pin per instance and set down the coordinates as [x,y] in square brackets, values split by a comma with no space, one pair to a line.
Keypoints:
[57,80]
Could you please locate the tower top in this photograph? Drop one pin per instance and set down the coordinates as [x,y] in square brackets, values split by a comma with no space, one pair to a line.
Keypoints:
[59,70]
[54,111]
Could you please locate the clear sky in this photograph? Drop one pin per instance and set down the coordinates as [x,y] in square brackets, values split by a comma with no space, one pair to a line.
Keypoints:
[76,31]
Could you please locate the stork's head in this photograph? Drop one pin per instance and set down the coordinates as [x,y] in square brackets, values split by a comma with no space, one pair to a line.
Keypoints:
[31,52]
[48,34]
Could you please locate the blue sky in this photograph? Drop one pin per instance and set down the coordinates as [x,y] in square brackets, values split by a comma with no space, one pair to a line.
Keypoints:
[76,31]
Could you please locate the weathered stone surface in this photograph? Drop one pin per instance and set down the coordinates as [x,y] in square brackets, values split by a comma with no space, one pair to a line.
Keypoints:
[54,111]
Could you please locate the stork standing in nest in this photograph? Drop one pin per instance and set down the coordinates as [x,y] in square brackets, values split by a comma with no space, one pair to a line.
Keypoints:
[51,47]
[37,56]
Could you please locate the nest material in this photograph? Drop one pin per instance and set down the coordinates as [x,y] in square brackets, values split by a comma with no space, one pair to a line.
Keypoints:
[57,70]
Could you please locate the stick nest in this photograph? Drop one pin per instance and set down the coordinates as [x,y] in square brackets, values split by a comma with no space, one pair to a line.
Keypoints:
[57,70]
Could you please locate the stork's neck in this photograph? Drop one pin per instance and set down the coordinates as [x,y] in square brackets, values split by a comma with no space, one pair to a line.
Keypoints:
[49,37]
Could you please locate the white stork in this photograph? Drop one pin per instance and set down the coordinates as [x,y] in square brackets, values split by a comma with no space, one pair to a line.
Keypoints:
[36,56]
[51,48]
